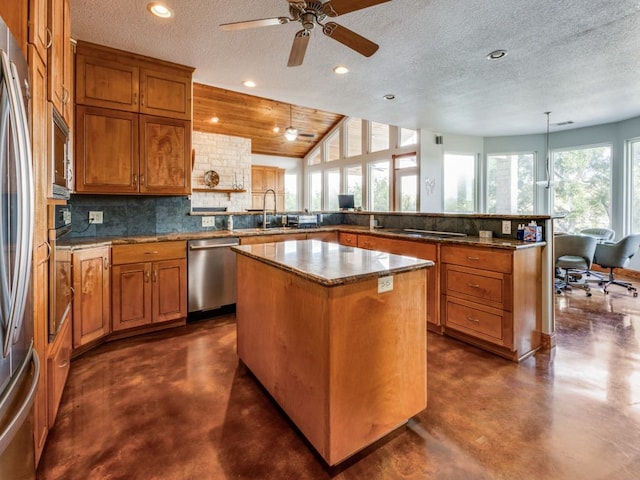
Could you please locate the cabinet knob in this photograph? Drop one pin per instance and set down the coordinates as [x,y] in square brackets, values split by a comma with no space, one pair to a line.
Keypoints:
[142,179]
[146,276]
[155,275]
[106,263]
[135,179]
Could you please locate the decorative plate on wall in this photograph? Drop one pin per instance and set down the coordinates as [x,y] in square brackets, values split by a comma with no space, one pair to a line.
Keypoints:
[211,179]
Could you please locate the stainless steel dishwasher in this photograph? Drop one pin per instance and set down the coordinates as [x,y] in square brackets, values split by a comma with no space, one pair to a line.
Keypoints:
[212,273]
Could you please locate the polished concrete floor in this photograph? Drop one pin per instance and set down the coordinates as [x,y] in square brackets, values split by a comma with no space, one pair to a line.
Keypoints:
[176,405]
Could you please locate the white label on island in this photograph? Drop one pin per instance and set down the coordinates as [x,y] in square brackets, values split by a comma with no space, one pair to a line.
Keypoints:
[385,284]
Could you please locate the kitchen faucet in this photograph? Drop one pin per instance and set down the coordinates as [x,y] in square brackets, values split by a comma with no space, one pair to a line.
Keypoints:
[264,206]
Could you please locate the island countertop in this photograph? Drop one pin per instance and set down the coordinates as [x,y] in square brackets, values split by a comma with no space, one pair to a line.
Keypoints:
[330,264]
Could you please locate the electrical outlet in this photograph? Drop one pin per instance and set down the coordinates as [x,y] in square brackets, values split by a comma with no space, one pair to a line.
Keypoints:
[208,221]
[506,227]
[95,217]
[385,284]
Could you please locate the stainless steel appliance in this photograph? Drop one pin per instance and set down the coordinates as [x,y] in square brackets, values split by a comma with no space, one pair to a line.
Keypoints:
[211,274]
[19,366]
[302,221]
[60,289]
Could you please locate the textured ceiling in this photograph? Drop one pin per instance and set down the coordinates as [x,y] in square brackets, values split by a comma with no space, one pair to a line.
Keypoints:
[576,58]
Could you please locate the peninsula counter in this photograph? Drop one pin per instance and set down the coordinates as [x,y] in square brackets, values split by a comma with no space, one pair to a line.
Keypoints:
[337,336]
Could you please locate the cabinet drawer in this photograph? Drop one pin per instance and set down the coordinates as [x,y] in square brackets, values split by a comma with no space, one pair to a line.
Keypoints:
[148,252]
[485,323]
[350,239]
[484,258]
[487,286]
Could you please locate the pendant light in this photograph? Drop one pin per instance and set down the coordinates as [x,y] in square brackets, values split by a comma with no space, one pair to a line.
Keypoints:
[291,133]
[546,183]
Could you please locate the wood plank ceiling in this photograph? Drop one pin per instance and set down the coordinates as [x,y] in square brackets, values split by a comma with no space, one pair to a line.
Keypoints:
[252,117]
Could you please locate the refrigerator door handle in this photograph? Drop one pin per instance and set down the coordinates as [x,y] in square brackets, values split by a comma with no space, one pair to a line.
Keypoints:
[5,289]
[19,417]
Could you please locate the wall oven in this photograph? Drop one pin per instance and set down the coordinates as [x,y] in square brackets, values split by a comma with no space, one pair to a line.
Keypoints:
[60,288]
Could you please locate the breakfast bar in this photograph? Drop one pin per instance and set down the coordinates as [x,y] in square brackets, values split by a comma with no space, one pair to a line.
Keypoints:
[337,336]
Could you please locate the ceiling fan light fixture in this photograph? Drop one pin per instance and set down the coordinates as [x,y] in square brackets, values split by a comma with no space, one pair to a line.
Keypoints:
[159,10]
[249,84]
[291,134]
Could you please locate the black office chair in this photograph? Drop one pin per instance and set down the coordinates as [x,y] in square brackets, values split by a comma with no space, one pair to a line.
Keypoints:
[616,255]
[574,255]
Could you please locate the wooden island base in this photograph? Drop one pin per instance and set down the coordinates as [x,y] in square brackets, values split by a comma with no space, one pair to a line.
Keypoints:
[346,363]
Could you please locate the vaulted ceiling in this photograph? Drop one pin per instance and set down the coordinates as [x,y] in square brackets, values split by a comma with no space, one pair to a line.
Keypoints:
[576,58]
[248,116]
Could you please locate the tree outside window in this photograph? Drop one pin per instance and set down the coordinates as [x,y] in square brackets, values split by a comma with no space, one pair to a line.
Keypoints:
[354,183]
[510,183]
[379,179]
[315,191]
[582,188]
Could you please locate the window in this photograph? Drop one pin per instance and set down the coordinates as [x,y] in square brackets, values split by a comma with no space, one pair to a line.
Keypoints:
[459,182]
[315,191]
[314,158]
[408,137]
[406,183]
[582,188]
[332,145]
[379,137]
[379,182]
[290,192]
[634,153]
[354,137]
[333,189]
[354,183]
[510,183]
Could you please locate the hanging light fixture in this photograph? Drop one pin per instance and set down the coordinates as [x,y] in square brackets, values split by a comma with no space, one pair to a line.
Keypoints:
[291,133]
[546,183]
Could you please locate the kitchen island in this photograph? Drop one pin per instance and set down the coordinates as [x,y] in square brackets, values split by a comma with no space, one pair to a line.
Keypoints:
[337,336]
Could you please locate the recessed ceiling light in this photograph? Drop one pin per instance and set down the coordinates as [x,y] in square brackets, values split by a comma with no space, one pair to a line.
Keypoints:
[276,129]
[249,83]
[160,10]
[340,70]
[215,119]
[497,54]
[389,96]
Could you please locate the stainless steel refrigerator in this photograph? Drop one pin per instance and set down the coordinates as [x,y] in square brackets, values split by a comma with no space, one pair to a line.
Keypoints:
[18,362]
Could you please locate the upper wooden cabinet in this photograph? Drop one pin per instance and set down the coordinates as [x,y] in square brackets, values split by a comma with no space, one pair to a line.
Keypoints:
[124,81]
[39,33]
[60,58]
[133,128]
[14,13]
[262,179]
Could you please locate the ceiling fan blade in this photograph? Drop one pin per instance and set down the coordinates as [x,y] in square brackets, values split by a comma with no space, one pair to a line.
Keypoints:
[333,8]
[263,22]
[350,38]
[307,135]
[298,49]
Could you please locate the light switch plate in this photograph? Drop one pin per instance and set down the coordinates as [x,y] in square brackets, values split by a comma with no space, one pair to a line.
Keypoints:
[385,284]
[208,221]
[506,227]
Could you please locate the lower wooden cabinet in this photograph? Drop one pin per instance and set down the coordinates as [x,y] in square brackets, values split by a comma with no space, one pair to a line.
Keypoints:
[40,344]
[58,364]
[149,284]
[92,295]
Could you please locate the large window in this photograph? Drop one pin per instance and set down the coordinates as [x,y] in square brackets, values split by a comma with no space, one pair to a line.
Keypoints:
[459,182]
[354,183]
[354,137]
[379,183]
[634,153]
[314,158]
[332,146]
[408,137]
[406,183]
[290,192]
[315,191]
[510,183]
[333,189]
[582,188]
[379,137]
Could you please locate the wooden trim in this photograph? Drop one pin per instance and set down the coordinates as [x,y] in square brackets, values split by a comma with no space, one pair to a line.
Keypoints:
[548,340]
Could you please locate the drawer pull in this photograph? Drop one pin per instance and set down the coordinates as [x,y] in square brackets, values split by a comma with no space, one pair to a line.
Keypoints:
[154,252]
[473,320]
[473,258]
[473,285]
[63,364]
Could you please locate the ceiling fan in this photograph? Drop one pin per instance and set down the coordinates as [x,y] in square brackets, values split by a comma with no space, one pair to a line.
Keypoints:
[291,133]
[311,14]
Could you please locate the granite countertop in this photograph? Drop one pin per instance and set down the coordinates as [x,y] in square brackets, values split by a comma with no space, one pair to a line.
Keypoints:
[502,243]
[330,264]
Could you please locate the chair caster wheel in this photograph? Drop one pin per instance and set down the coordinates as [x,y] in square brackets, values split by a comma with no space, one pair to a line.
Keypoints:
[635,294]
[588,294]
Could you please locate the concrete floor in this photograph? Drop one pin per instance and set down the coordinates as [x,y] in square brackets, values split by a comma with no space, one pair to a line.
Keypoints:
[176,405]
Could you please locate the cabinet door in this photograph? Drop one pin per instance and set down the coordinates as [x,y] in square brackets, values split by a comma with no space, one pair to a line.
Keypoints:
[39,35]
[257,179]
[279,173]
[165,94]
[269,179]
[58,364]
[169,290]
[131,295]
[106,83]
[14,13]
[67,66]
[348,239]
[164,156]
[40,341]
[106,156]
[92,299]
[56,55]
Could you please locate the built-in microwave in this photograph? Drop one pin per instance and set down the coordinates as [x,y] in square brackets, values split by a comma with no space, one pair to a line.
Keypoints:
[60,171]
